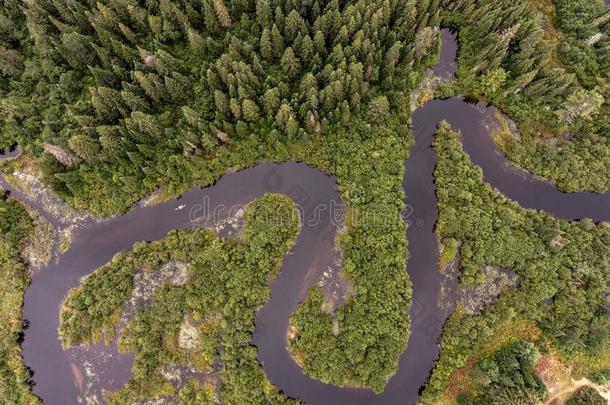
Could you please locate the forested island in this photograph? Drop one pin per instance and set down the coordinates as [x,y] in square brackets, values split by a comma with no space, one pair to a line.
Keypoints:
[117,104]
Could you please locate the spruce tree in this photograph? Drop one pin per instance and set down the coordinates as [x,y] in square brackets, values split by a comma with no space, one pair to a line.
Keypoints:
[250,110]
[290,64]
[222,13]
[266,47]
[277,41]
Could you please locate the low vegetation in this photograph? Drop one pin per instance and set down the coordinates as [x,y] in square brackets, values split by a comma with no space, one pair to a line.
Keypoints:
[562,270]
[586,396]
[15,226]
[205,324]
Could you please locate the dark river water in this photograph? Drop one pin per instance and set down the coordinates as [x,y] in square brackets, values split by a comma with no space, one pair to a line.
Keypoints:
[61,376]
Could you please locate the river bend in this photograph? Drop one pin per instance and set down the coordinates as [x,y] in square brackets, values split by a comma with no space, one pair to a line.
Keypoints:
[95,245]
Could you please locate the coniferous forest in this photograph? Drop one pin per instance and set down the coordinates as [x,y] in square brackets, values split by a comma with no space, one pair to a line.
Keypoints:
[546,64]
[113,100]
[118,98]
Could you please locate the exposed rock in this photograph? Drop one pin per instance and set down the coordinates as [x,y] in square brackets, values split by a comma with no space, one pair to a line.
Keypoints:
[335,327]
[38,194]
[334,284]
[225,227]
[179,375]
[581,103]
[501,127]
[593,39]
[424,92]
[477,297]
[449,291]
[598,22]
[57,221]
[188,337]
[37,251]
[66,235]
[508,34]
[152,199]
[474,298]
[10,154]
[558,242]
[556,140]
[148,58]
[92,364]
[145,285]
[292,332]
[156,401]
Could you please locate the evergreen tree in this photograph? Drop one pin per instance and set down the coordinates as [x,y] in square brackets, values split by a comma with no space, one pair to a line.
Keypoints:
[196,42]
[85,147]
[271,100]
[277,41]
[222,13]
[250,110]
[134,102]
[378,109]
[151,84]
[292,127]
[107,103]
[307,49]
[284,116]
[290,64]
[266,46]
[293,26]
[11,62]
[263,13]
[345,112]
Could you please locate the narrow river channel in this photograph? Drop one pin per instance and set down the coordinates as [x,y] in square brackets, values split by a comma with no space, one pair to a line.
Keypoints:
[57,374]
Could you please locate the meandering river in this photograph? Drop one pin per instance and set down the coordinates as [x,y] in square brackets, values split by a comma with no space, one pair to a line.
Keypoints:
[58,375]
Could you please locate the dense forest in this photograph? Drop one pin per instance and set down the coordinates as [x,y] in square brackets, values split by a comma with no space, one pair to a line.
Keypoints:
[586,396]
[177,92]
[118,98]
[15,225]
[507,376]
[205,322]
[558,308]
[121,97]
[547,65]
